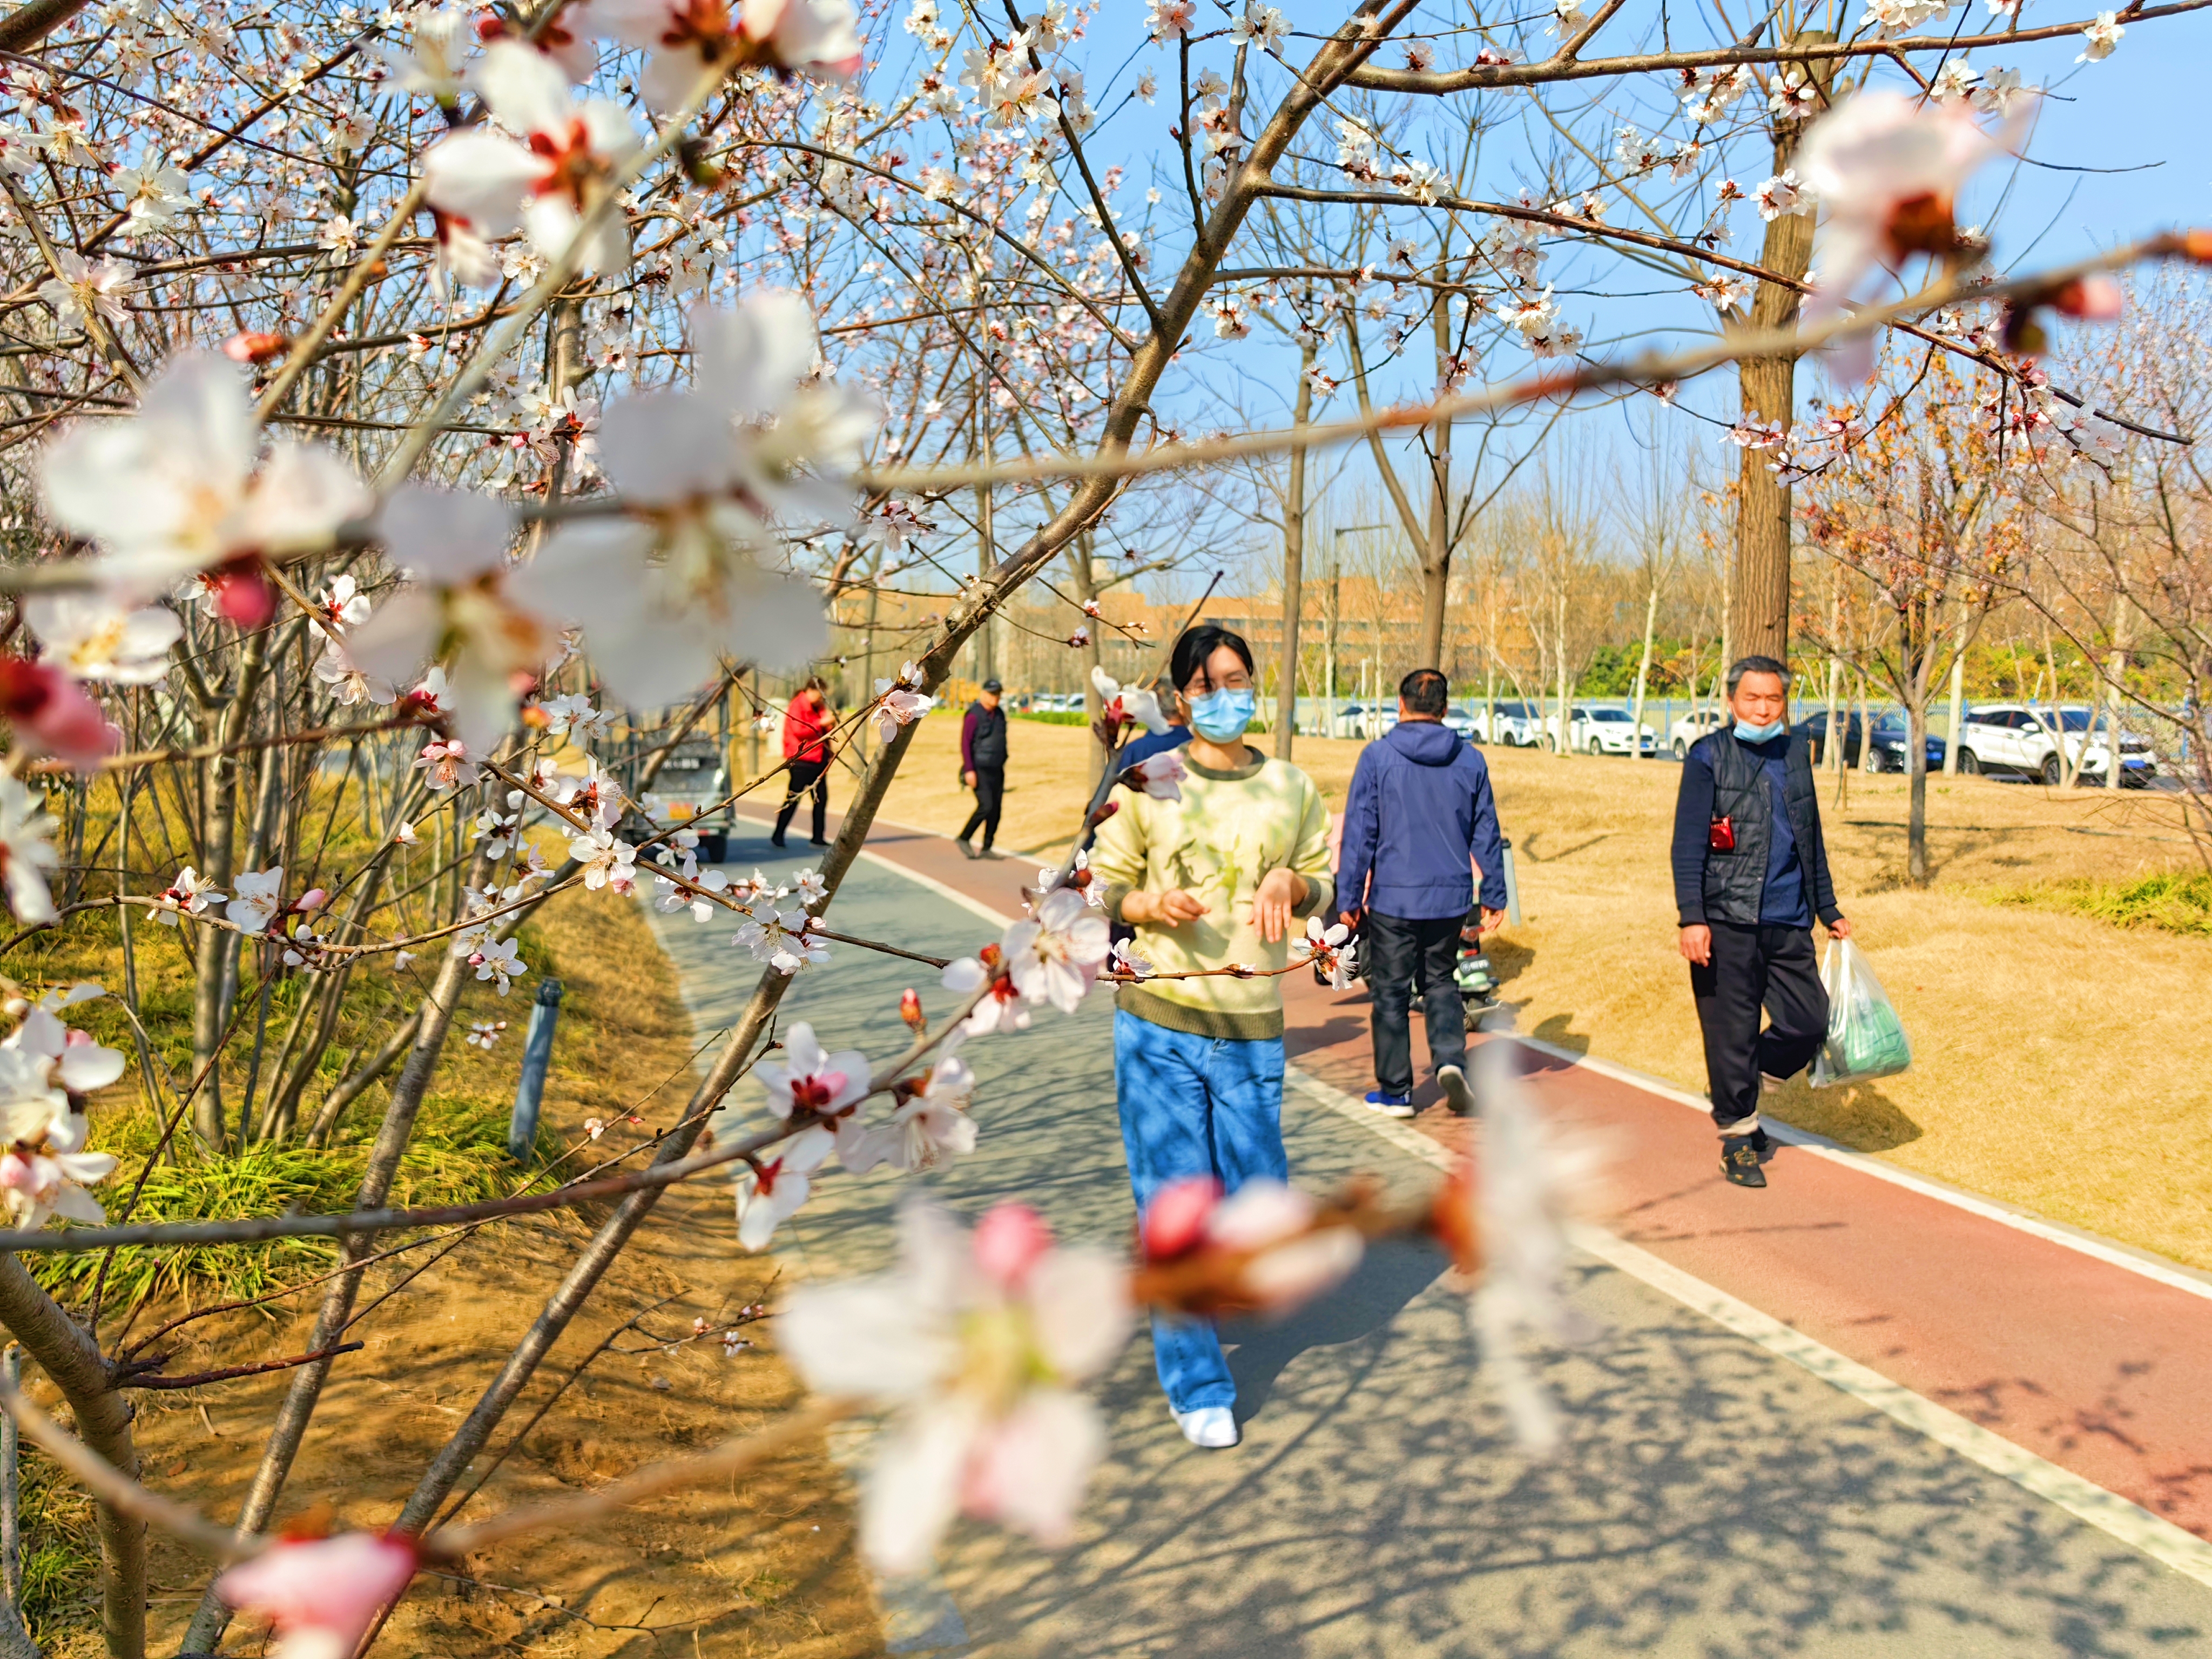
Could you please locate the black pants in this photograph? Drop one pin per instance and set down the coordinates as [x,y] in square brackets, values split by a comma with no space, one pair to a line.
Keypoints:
[806,775]
[990,788]
[1394,948]
[1755,967]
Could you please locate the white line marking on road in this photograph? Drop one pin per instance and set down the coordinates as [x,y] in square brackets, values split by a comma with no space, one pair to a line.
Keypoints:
[2130,1523]
[2088,1244]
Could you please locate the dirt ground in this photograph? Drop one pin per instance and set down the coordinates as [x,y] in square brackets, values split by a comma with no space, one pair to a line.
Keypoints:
[2060,1063]
[761,1564]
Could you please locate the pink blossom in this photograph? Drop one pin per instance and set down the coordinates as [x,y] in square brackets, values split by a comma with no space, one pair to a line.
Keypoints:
[1159,776]
[321,1594]
[1132,704]
[52,715]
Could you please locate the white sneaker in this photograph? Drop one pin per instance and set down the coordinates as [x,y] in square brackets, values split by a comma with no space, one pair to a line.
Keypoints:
[1210,1426]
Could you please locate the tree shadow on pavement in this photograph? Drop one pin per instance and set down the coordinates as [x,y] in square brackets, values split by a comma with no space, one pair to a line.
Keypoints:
[1388,1277]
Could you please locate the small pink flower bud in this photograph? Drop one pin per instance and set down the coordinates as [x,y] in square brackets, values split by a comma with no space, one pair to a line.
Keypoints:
[1009,1241]
[1175,1221]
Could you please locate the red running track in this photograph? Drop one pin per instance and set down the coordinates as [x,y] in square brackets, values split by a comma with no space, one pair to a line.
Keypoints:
[2100,1369]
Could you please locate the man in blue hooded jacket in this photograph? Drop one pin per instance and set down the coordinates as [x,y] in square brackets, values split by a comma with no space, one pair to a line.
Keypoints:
[1420,811]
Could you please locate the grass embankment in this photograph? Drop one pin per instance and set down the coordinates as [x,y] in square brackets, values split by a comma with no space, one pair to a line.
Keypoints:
[764,1567]
[2058,1059]
[2173,902]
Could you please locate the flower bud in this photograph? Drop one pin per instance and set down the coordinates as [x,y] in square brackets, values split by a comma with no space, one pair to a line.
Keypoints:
[254,346]
[910,1011]
[1009,1241]
[2097,299]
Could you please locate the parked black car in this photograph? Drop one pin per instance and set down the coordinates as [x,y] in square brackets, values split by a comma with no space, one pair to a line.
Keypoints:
[1890,736]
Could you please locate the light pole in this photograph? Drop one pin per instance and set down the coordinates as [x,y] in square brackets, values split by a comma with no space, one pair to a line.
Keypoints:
[1328,649]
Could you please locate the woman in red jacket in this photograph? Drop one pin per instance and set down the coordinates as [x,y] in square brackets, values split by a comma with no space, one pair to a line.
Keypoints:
[806,722]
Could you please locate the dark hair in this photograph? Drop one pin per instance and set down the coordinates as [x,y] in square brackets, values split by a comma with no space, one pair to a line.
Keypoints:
[1743,665]
[815,683]
[1196,649]
[1425,691]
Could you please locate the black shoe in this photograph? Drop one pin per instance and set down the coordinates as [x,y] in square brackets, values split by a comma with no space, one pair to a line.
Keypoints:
[817,841]
[967,849]
[1758,1139]
[1740,1161]
[776,841]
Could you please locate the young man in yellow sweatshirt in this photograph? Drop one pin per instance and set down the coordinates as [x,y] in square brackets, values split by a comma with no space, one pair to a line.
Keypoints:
[1209,881]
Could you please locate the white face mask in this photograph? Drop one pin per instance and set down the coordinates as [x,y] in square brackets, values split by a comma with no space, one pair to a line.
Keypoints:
[1751,734]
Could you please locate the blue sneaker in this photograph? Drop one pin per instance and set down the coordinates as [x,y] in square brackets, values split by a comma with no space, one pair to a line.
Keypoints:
[1389,1105]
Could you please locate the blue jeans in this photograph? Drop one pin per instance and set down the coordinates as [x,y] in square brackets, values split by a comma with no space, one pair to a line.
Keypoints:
[1196,1106]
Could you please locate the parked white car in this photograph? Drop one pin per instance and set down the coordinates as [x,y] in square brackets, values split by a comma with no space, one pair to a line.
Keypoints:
[2018,738]
[1516,724]
[1610,732]
[1688,729]
[1363,721]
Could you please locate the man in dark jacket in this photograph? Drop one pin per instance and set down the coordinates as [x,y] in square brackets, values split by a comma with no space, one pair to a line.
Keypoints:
[984,766]
[1751,871]
[1419,814]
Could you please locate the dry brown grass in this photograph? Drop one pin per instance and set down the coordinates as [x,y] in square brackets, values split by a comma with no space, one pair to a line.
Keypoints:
[760,1565]
[2059,1061]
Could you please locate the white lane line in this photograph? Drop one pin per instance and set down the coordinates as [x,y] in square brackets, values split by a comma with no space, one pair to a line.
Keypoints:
[2130,1523]
[2117,1255]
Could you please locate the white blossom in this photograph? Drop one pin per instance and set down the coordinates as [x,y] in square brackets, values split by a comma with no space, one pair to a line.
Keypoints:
[977,1339]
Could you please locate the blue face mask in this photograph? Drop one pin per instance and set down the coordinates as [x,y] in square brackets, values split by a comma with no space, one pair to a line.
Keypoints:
[1759,733]
[1221,716]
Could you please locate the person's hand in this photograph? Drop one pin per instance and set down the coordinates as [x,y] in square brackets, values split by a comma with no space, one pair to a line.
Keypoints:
[1491,920]
[1172,909]
[968,778]
[1350,918]
[1698,943]
[1840,927]
[1279,893]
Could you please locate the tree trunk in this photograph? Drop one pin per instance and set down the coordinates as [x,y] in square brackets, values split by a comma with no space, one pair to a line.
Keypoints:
[72,1359]
[1294,561]
[1436,553]
[218,838]
[434,1020]
[1915,763]
[1761,583]
[1643,676]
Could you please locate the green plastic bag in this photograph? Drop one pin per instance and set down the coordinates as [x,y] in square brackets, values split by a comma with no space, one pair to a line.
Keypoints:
[1865,1039]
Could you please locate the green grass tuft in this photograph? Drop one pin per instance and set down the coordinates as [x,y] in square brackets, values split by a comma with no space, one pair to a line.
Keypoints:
[456,1155]
[2176,902]
[61,1551]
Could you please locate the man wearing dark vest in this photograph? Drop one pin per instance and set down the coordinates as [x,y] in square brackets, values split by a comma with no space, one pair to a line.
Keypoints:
[1751,873]
[983,767]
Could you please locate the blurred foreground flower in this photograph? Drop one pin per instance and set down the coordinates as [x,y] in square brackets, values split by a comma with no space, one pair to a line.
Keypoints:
[321,1593]
[177,487]
[976,1338]
[1267,1248]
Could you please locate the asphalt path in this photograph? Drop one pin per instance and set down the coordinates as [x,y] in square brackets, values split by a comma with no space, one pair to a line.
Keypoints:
[1712,1499]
